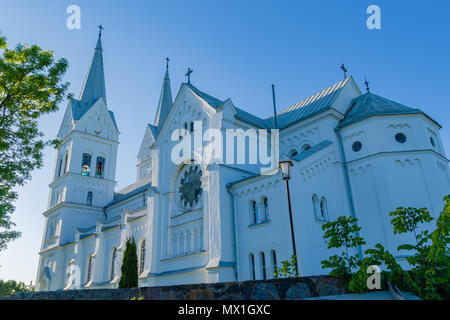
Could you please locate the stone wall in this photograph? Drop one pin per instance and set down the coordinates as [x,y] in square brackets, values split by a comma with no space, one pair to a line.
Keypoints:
[284,289]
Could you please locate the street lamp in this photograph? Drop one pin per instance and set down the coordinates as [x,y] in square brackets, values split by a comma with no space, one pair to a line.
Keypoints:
[285,167]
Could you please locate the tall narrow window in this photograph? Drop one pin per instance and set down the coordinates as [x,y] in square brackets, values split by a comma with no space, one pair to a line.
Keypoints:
[263,265]
[266,208]
[113,263]
[192,126]
[315,201]
[306,147]
[323,209]
[142,255]
[254,209]
[66,164]
[60,166]
[100,167]
[89,198]
[252,266]
[86,164]
[274,261]
[89,269]
[69,272]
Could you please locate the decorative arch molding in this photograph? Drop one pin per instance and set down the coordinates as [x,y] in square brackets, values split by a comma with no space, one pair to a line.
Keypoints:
[300,138]
[354,135]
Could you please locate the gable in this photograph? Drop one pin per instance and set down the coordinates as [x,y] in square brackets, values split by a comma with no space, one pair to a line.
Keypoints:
[187,106]
[147,142]
[99,121]
[67,122]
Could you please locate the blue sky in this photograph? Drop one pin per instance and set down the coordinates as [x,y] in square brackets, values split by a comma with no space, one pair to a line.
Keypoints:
[237,49]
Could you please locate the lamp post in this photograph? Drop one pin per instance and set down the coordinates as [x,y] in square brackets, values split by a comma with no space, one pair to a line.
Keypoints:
[285,167]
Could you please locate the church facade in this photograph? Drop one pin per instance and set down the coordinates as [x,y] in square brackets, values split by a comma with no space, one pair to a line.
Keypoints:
[352,153]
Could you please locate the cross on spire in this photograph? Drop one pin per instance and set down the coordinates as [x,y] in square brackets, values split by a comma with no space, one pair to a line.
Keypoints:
[367,84]
[167,63]
[100,28]
[345,71]
[188,74]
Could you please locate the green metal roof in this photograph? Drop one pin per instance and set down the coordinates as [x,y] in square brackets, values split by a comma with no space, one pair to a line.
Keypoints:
[165,101]
[369,105]
[94,86]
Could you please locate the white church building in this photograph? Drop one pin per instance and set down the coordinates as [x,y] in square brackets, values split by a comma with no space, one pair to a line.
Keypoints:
[352,153]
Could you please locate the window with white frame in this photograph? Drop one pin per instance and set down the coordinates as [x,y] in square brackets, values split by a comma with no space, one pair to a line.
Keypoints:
[113,263]
[89,268]
[252,266]
[315,201]
[323,209]
[266,208]
[262,258]
[142,257]
[274,262]
[254,211]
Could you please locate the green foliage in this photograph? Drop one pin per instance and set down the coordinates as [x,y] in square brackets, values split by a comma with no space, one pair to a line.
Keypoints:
[408,219]
[10,287]
[288,269]
[129,268]
[342,233]
[378,257]
[429,258]
[30,86]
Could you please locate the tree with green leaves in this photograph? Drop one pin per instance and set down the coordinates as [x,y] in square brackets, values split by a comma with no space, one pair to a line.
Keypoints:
[30,86]
[342,233]
[430,258]
[287,269]
[10,287]
[129,268]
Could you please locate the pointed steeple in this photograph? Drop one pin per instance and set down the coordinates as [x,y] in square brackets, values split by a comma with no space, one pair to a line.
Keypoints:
[94,85]
[165,99]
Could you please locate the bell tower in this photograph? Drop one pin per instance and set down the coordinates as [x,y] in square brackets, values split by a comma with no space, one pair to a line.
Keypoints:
[84,172]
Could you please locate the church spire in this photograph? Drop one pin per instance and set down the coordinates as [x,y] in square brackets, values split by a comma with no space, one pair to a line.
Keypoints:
[94,85]
[165,99]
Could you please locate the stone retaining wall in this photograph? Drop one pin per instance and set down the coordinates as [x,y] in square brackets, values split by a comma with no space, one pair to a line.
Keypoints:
[284,289]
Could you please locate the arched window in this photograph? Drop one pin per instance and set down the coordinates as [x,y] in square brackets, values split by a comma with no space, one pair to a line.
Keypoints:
[192,126]
[266,208]
[142,257]
[113,263]
[292,153]
[315,202]
[86,164]
[274,261]
[89,268]
[100,167]
[69,272]
[185,126]
[263,265]
[306,147]
[89,198]
[254,209]
[323,209]
[252,266]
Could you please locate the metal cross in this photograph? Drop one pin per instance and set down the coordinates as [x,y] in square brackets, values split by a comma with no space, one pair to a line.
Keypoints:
[345,71]
[100,28]
[167,62]
[367,84]
[188,74]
